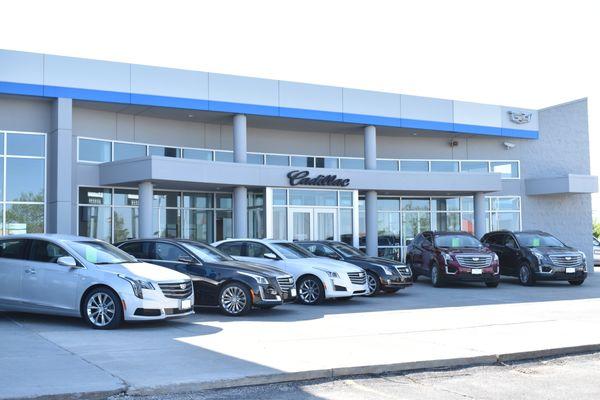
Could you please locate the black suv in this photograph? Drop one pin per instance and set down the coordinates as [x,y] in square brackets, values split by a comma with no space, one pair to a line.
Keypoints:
[218,279]
[382,274]
[536,256]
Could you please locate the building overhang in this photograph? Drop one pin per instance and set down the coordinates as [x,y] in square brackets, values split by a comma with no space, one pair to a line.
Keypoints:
[568,184]
[186,174]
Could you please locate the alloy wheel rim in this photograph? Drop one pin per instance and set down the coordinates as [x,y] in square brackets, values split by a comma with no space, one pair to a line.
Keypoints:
[101,309]
[372,284]
[309,291]
[524,274]
[434,275]
[233,300]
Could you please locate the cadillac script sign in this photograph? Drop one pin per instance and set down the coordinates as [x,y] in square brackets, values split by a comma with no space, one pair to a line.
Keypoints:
[302,178]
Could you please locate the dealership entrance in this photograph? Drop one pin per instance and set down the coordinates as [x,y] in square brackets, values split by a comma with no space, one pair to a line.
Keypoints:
[312,224]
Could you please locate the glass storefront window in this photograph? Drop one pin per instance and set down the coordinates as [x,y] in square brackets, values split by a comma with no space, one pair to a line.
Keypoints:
[195,154]
[224,156]
[508,169]
[505,203]
[387,165]
[474,166]
[414,223]
[165,199]
[95,196]
[166,222]
[444,166]
[467,223]
[95,221]
[94,150]
[346,199]
[25,178]
[126,197]
[253,158]
[125,220]
[275,159]
[346,227]
[388,204]
[415,204]
[124,151]
[445,204]
[326,162]
[467,203]
[197,225]
[388,228]
[280,223]
[279,197]
[164,151]
[256,215]
[449,221]
[25,145]
[24,218]
[300,197]
[302,161]
[224,225]
[197,200]
[414,166]
[224,200]
[505,220]
[352,163]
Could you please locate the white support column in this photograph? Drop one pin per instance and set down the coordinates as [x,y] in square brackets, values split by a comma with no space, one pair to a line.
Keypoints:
[370,147]
[146,192]
[370,158]
[239,138]
[240,212]
[371,222]
[479,214]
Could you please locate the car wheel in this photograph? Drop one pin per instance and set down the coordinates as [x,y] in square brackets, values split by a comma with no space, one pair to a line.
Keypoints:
[525,275]
[436,276]
[373,284]
[235,299]
[102,309]
[492,284]
[578,282]
[415,274]
[310,290]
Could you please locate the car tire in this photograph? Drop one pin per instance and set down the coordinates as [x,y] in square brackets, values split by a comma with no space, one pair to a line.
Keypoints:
[373,283]
[415,274]
[492,284]
[526,275]
[310,290]
[235,299]
[102,309]
[436,276]
[577,282]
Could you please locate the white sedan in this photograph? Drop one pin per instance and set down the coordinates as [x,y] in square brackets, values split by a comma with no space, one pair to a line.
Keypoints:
[316,278]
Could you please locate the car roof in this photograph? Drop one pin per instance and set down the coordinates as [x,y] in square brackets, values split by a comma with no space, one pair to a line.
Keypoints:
[537,231]
[449,233]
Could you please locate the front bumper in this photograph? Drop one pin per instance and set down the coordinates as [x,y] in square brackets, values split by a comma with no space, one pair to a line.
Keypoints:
[553,273]
[343,287]
[154,306]
[395,281]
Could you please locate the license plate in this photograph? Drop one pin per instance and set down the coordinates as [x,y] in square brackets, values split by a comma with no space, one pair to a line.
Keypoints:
[185,304]
[570,270]
[476,271]
[293,292]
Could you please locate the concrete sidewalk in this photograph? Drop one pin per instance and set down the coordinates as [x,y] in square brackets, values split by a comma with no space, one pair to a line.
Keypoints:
[419,328]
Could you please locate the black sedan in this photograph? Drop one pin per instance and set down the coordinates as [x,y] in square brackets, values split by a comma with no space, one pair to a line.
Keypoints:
[382,274]
[218,279]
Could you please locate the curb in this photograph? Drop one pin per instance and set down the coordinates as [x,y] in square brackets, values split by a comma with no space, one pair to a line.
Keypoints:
[95,395]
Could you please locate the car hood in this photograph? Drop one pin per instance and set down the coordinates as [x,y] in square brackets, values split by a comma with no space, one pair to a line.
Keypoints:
[554,250]
[325,263]
[245,266]
[467,250]
[376,260]
[143,270]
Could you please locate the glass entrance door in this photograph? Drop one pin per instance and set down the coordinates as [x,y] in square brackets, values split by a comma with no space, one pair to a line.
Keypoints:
[312,224]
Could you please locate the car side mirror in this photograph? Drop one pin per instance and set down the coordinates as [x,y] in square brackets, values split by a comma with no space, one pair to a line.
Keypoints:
[270,256]
[186,259]
[408,242]
[67,261]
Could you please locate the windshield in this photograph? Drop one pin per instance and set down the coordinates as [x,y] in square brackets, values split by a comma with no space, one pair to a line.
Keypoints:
[456,241]
[538,240]
[206,253]
[347,251]
[100,253]
[290,250]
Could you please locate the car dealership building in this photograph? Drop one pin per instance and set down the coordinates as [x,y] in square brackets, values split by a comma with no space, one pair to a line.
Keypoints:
[116,151]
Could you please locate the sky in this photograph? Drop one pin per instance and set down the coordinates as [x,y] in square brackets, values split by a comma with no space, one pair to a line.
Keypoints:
[526,53]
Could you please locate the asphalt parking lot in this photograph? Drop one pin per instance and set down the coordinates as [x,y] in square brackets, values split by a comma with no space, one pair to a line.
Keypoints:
[572,377]
[420,327]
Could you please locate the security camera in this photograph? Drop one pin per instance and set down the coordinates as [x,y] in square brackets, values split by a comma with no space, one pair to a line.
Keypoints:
[509,145]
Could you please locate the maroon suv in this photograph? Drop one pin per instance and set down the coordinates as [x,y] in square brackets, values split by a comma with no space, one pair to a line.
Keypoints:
[452,256]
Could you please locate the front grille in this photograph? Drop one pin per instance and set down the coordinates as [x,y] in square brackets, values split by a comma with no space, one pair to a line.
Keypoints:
[403,270]
[566,260]
[176,290]
[357,278]
[474,260]
[285,283]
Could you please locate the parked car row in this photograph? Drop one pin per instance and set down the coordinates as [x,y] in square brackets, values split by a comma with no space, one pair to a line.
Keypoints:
[528,255]
[158,278]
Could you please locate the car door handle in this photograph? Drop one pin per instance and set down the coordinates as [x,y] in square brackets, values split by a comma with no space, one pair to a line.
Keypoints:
[30,271]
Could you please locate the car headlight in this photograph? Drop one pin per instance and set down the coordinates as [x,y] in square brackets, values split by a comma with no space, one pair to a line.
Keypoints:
[137,285]
[539,256]
[330,274]
[387,269]
[447,258]
[260,279]
[582,256]
[495,257]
